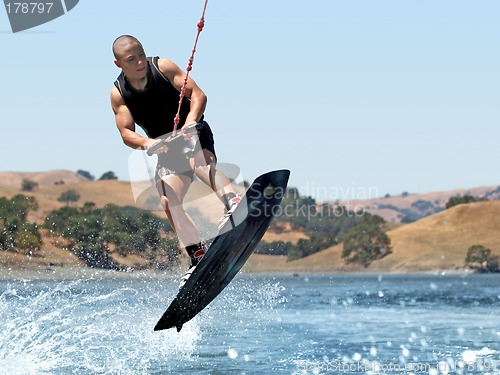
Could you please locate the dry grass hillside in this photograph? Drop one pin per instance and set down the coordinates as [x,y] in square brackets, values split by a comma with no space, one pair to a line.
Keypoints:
[395,208]
[439,241]
[98,192]
[14,179]
[53,183]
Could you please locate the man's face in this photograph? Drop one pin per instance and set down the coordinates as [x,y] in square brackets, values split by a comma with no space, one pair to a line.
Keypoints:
[132,60]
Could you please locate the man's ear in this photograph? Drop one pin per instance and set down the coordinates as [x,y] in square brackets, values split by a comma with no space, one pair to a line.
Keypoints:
[117,63]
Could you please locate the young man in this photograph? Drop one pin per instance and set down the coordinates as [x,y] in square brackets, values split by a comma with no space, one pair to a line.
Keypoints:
[146,93]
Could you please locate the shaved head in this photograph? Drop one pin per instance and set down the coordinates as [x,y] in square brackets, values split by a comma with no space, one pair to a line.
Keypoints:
[123,41]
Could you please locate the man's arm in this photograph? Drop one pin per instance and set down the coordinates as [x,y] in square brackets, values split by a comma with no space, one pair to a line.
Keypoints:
[126,124]
[198,98]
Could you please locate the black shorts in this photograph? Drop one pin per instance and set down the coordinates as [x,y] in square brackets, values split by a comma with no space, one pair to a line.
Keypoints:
[176,160]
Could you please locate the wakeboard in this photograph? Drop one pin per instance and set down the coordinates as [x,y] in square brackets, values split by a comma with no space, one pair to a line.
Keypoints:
[229,250]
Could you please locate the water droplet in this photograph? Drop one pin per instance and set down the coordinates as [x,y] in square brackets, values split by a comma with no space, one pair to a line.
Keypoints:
[469,356]
[357,357]
[405,352]
[373,352]
[380,293]
[231,353]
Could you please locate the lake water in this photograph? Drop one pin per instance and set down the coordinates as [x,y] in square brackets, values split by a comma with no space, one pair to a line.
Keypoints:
[348,324]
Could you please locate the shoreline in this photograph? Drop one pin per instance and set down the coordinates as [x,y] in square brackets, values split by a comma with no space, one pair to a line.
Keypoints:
[74,273]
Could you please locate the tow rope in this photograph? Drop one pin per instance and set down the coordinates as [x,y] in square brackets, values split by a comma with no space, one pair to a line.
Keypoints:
[201,24]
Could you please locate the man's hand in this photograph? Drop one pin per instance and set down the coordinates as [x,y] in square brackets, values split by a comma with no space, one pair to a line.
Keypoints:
[156,146]
[187,131]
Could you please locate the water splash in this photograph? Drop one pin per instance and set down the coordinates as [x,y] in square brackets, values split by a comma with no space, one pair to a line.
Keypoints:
[87,327]
[247,294]
[105,326]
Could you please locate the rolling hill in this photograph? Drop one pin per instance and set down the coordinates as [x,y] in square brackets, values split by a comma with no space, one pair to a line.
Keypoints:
[436,242]
[410,207]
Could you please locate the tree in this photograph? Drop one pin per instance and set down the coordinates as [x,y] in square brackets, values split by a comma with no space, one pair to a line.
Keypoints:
[88,207]
[95,255]
[273,248]
[28,238]
[109,176]
[85,174]
[324,225]
[367,241]
[21,205]
[314,244]
[480,259]
[422,205]
[28,185]
[3,235]
[15,231]
[92,232]
[68,196]
[167,254]
[456,200]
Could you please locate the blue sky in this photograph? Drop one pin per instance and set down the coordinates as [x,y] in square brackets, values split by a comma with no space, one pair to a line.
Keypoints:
[360,96]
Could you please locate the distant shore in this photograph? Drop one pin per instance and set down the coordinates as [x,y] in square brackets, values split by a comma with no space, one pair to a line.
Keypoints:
[73,273]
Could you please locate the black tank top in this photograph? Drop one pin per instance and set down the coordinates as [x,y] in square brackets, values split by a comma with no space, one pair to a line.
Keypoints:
[155,107]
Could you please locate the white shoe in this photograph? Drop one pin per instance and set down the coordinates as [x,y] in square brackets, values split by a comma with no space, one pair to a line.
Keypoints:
[186,276]
[233,203]
[197,257]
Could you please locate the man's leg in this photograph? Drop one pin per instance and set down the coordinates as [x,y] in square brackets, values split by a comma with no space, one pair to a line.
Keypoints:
[173,189]
[204,165]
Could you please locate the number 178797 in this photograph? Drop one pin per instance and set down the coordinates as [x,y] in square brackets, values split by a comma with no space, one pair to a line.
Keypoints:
[26,8]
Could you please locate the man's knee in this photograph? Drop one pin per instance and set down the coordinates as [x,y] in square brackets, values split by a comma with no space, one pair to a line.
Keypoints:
[169,205]
[204,170]
[164,202]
